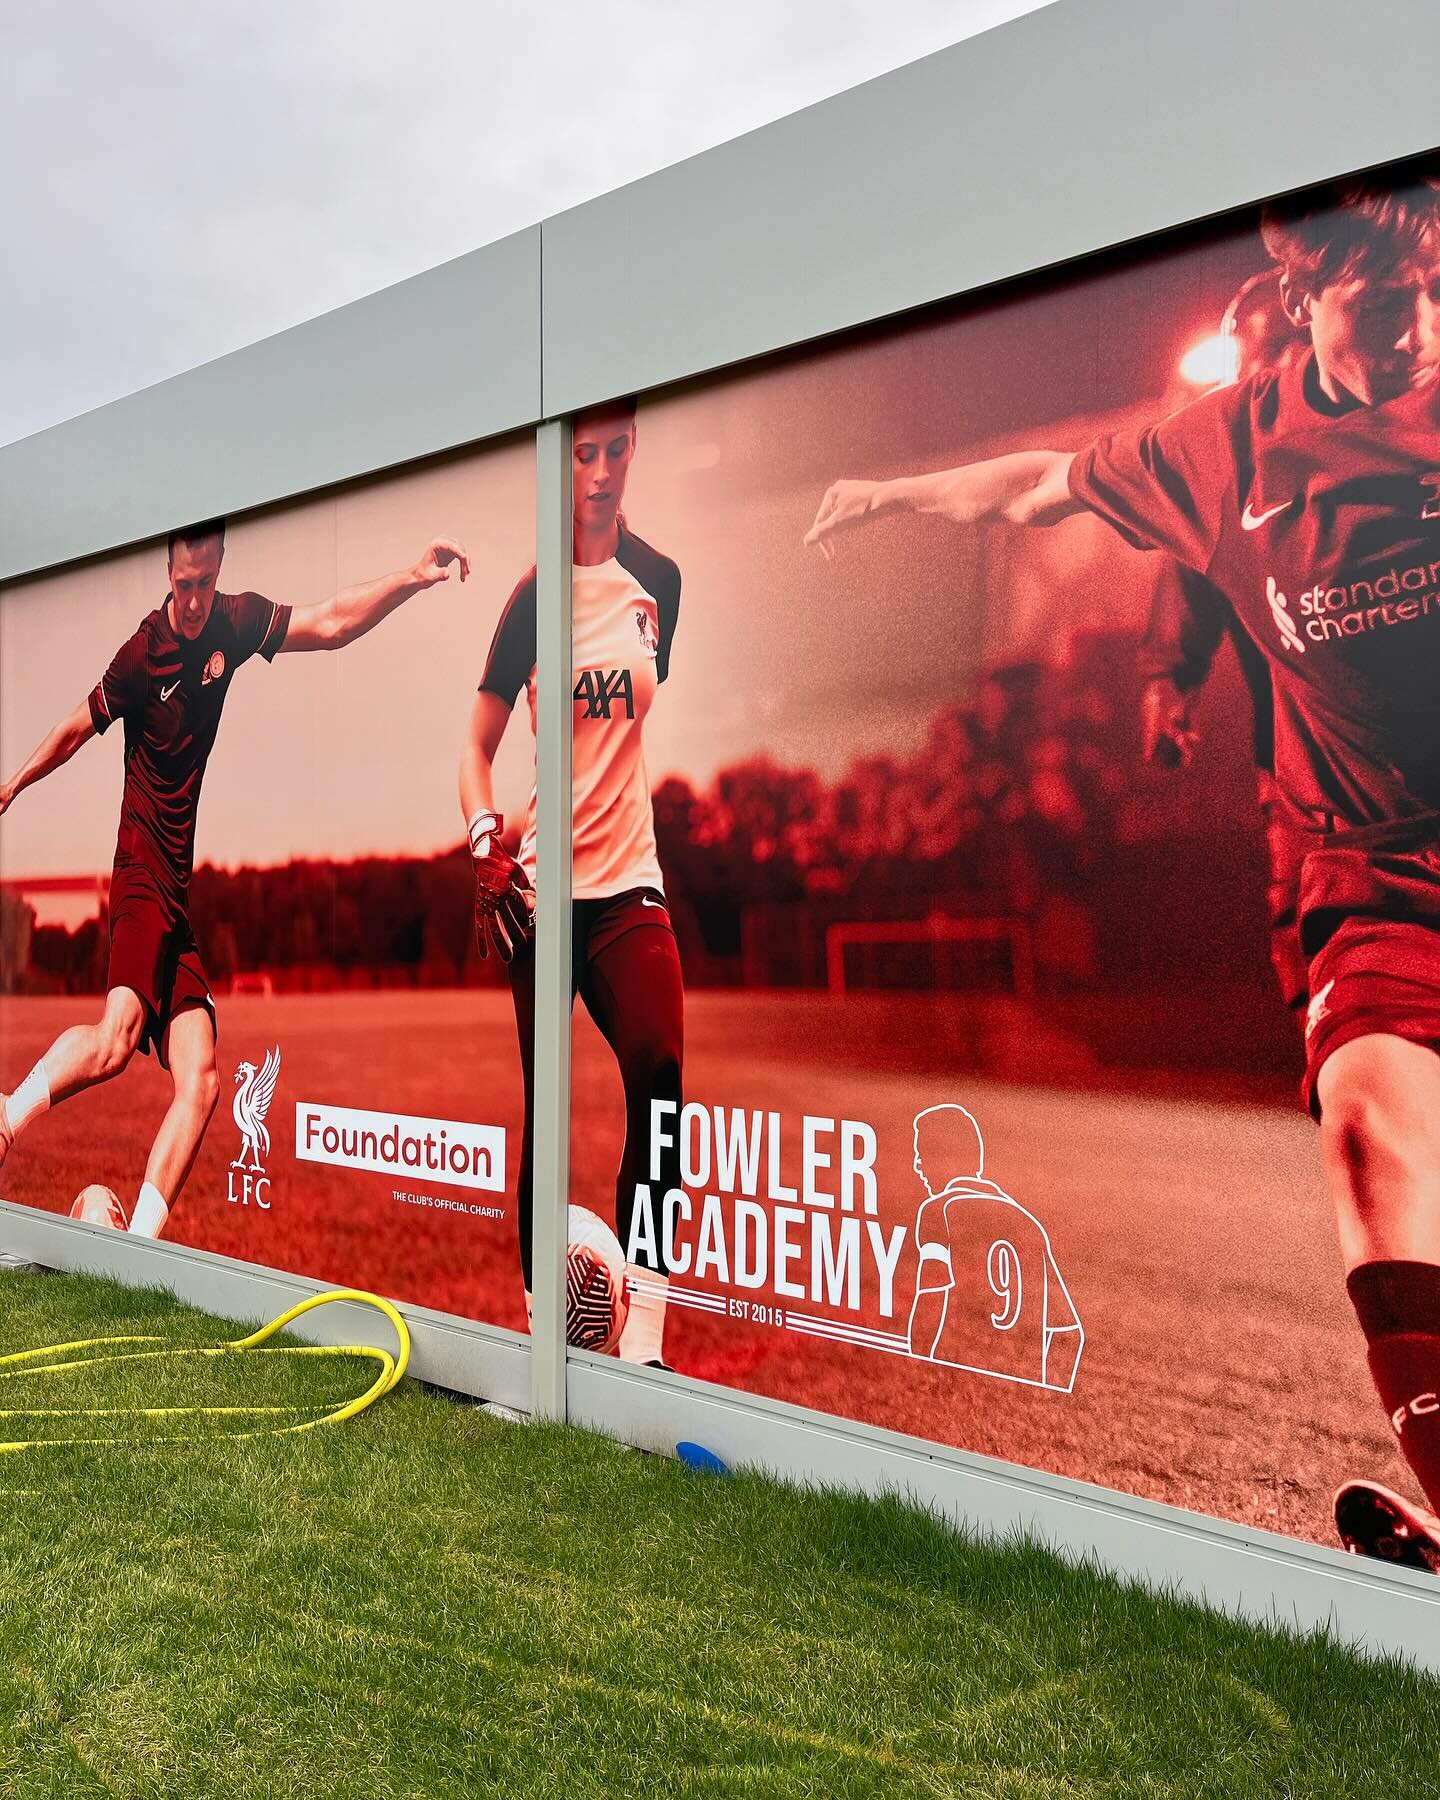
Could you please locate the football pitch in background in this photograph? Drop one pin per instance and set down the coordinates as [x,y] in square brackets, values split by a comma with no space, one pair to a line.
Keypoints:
[1198,1385]
[1184,1231]
[431,1055]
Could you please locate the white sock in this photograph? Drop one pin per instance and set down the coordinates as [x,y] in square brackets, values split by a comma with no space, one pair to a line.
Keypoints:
[151,1212]
[643,1335]
[31,1098]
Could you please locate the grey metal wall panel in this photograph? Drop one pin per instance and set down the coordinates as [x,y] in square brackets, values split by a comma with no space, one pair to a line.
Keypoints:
[553,1004]
[454,1353]
[433,362]
[1251,1574]
[1087,124]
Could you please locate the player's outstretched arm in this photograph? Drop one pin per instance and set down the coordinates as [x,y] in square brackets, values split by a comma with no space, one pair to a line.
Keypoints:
[1182,636]
[52,752]
[1029,487]
[488,718]
[352,612]
[1167,724]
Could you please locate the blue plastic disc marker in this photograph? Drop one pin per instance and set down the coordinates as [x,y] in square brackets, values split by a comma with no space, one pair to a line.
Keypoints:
[696,1456]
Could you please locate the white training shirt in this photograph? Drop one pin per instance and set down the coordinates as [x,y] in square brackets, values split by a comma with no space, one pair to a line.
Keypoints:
[624,614]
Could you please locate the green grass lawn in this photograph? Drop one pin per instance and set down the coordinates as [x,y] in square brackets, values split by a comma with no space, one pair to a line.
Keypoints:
[427,1603]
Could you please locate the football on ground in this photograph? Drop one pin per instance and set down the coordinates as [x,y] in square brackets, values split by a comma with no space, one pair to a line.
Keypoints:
[98,1205]
[595,1299]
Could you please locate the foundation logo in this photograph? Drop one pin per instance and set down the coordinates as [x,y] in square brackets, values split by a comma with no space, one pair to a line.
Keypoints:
[451,1152]
[255,1089]
[214,669]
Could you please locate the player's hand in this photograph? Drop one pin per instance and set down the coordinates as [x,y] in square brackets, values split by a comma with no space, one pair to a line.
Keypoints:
[504,906]
[1167,736]
[845,504]
[504,900]
[435,565]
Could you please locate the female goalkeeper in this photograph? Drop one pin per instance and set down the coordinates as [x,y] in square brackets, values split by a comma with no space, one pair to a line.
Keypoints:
[625,964]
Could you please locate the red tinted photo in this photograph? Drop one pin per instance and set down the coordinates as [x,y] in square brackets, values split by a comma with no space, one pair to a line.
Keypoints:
[244,1003]
[1037,977]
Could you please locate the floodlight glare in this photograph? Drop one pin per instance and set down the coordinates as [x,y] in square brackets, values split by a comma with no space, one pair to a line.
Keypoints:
[1213,361]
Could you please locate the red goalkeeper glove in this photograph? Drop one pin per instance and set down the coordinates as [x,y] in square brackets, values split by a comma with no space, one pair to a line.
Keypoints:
[504,903]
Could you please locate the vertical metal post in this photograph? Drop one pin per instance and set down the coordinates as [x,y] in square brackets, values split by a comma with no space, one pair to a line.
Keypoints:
[553,553]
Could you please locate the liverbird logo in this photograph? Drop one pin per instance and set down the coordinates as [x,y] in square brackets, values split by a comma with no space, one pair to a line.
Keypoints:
[253,1094]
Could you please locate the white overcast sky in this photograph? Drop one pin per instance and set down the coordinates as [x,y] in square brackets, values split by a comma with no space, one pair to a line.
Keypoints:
[184,176]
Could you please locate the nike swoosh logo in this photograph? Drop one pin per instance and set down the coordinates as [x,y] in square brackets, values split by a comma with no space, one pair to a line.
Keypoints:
[165,692]
[659,905]
[1252,521]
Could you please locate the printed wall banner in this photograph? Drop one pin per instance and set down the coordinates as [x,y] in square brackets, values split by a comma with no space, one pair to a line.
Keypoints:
[266,1024]
[1007,774]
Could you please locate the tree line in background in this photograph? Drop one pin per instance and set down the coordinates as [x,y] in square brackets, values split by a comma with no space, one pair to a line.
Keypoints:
[1028,802]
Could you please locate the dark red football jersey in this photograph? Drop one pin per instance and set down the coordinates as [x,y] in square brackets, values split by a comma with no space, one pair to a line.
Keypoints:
[1189,620]
[170,692]
[1322,530]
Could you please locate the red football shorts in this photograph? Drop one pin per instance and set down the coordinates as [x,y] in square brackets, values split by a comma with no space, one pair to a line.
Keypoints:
[1370,923]
[154,954]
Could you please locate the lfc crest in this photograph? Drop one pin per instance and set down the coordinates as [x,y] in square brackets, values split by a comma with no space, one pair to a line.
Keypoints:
[255,1089]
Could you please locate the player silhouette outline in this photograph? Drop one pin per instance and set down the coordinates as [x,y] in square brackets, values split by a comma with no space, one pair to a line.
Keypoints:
[1018,1308]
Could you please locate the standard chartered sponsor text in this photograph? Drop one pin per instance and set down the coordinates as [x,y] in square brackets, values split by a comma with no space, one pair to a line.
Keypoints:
[450,1151]
[1394,596]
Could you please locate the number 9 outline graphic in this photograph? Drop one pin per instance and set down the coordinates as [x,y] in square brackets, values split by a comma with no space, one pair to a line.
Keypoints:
[1002,1271]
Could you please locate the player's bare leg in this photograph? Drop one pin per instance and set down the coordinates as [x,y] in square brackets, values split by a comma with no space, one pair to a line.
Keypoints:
[80,1058]
[1380,1137]
[189,1053]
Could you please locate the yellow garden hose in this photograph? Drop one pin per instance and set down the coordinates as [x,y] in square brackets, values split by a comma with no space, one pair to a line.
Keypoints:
[40,1362]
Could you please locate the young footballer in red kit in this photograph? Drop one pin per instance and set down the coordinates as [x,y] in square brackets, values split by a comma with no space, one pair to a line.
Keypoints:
[1309,498]
[625,600]
[167,686]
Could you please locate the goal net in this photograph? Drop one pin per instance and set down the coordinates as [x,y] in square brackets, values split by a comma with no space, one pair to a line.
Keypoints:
[990,954]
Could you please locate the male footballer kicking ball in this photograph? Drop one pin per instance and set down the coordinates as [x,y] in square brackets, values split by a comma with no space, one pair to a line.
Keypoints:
[1309,497]
[167,685]
[625,963]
